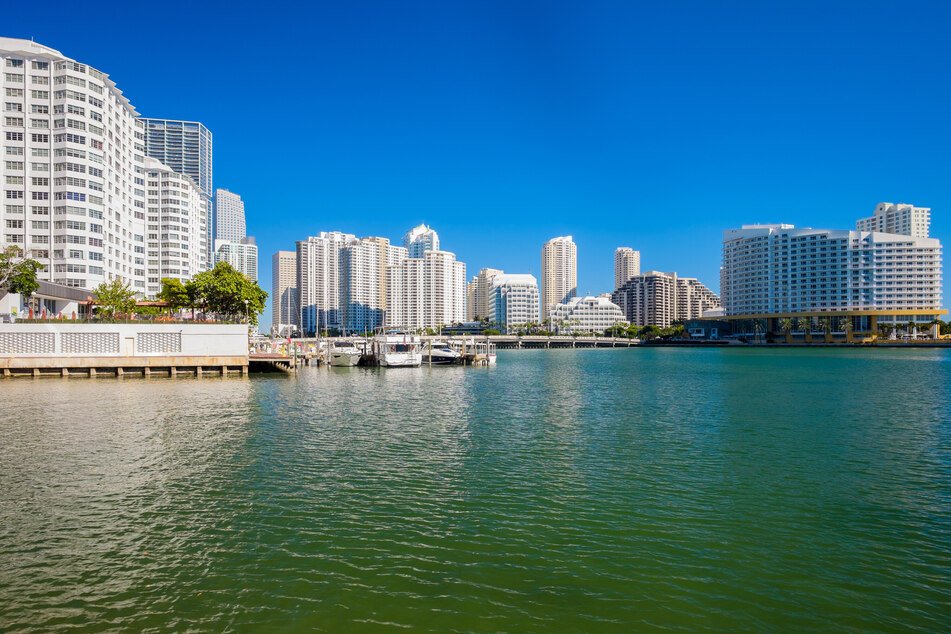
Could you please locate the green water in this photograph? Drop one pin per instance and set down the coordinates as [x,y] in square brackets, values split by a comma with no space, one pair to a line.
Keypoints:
[563,490]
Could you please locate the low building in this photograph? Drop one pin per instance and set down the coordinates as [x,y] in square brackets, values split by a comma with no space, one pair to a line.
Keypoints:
[586,314]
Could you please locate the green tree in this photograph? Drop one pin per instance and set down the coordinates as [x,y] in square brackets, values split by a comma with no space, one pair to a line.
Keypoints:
[115,297]
[803,324]
[649,332]
[225,291]
[174,294]
[18,273]
[491,332]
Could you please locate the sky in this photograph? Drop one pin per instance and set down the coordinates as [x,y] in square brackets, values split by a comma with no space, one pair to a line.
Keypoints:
[503,124]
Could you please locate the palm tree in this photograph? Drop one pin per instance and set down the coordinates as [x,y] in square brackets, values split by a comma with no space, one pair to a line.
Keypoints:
[845,325]
[786,326]
[803,324]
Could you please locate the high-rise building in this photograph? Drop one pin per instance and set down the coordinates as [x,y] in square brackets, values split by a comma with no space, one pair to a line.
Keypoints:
[185,147]
[470,298]
[901,219]
[285,302]
[559,272]
[175,227]
[420,239]
[361,311]
[586,314]
[778,271]
[319,280]
[483,286]
[73,173]
[241,254]
[627,264]
[658,299]
[229,216]
[426,292]
[513,301]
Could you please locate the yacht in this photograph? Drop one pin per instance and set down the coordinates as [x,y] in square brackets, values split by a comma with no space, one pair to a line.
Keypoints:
[439,353]
[395,349]
[345,353]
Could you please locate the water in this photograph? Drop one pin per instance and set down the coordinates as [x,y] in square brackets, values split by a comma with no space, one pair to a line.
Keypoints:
[564,490]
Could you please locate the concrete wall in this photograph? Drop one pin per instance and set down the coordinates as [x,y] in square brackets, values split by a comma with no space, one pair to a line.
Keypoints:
[122,340]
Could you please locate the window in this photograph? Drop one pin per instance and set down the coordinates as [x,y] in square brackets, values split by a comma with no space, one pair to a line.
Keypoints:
[14,121]
[95,102]
[40,211]
[41,181]
[14,165]
[40,81]
[40,195]
[41,225]
[39,109]
[14,180]
[40,94]
[13,107]
[41,65]
[39,123]
[40,138]
[15,209]
[14,63]
[14,78]
[14,224]
[71,109]
[14,92]
[14,136]
[14,194]
[40,167]
[13,151]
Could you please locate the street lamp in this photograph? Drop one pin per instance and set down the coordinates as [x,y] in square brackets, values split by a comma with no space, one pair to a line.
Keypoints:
[247,317]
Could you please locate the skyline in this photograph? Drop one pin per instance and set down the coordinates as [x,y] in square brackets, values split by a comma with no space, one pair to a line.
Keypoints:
[618,125]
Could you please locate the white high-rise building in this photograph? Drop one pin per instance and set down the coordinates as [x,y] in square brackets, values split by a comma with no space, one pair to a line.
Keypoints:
[420,239]
[559,272]
[778,270]
[241,255]
[659,299]
[426,292]
[285,303]
[319,280]
[901,219]
[627,264]
[229,216]
[586,314]
[175,227]
[72,172]
[186,148]
[513,301]
[361,311]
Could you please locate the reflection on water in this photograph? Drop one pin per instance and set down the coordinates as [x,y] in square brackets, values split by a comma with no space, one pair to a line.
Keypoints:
[568,489]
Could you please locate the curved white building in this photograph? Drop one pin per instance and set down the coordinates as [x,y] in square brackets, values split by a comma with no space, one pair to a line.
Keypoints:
[586,314]
[72,170]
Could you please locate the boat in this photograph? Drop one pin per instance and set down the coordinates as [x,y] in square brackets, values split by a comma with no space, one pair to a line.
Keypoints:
[345,354]
[395,349]
[440,353]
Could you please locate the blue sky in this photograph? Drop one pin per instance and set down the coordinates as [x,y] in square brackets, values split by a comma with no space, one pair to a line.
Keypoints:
[503,124]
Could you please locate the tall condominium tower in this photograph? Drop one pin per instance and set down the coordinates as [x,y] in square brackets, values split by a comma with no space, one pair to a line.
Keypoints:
[426,292]
[185,148]
[242,255]
[483,288]
[175,227]
[319,280]
[627,264]
[420,239]
[360,286]
[285,303]
[73,172]
[559,272]
[902,219]
[229,216]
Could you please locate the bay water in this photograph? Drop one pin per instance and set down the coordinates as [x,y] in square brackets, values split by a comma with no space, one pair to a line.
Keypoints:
[562,490]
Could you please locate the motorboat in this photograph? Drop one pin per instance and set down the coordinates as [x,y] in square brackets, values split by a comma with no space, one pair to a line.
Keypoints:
[345,354]
[439,353]
[394,349]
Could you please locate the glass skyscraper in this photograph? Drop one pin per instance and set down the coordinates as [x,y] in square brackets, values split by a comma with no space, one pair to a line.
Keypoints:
[185,147]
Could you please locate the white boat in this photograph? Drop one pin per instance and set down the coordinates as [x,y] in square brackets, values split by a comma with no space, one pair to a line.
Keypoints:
[439,353]
[344,354]
[396,349]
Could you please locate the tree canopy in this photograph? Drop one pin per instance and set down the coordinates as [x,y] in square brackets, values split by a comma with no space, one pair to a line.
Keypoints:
[226,291]
[18,273]
[115,297]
